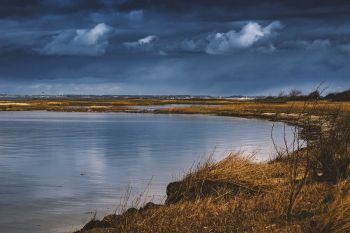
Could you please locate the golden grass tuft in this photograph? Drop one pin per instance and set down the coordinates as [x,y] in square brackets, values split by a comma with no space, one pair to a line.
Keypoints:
[252,198]
[226,178]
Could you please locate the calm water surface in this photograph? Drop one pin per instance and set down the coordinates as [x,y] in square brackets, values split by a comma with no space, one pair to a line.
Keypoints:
[57,168]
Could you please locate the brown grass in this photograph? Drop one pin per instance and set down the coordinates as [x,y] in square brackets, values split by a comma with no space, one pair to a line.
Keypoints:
[226,178]
[203,106]
[256,202]
[337,218]
[256,107]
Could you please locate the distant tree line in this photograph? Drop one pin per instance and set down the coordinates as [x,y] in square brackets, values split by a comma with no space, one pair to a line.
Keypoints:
[297,95]
[340,96]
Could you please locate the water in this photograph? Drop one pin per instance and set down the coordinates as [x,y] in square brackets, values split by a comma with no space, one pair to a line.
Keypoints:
[160,107]
[56,169]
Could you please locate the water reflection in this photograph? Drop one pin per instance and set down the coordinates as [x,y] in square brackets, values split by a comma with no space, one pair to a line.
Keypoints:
[55,168]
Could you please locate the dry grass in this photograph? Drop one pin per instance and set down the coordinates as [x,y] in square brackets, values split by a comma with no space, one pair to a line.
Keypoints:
[204,106]
[256,107]
[62,104]
[337,218]
[226,178]
[258,204]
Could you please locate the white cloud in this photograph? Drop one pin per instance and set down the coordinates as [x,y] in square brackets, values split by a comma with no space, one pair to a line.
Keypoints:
[92,41]
[251,33]
[145,42]
[213,43]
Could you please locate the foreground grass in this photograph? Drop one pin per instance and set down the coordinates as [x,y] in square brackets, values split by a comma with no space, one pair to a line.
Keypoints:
[236,195]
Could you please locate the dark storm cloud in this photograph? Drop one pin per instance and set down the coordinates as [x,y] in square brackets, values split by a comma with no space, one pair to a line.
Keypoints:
[214,10]
[243,10]
[172,47]
[34,8]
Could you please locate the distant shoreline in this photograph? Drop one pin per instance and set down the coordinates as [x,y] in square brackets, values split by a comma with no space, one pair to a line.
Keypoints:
[283,111]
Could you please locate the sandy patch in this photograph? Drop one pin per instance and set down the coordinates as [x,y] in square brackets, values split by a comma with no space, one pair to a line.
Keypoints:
[14,104]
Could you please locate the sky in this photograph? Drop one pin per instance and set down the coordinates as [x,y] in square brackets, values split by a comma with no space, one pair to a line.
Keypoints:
[173,47]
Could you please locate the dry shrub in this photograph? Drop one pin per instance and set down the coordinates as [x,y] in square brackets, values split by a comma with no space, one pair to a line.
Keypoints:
[331,147]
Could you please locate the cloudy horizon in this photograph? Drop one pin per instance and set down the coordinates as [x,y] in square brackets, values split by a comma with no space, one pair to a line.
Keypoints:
[165,47]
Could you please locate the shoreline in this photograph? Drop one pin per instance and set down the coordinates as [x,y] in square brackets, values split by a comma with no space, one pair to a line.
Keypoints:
[282,112]
[215,187]
[231,180]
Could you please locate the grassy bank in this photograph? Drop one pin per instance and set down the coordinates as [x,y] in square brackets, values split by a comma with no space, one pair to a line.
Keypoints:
[304,189]
[236,195]
[267,109]
[275,110]
[98,104]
